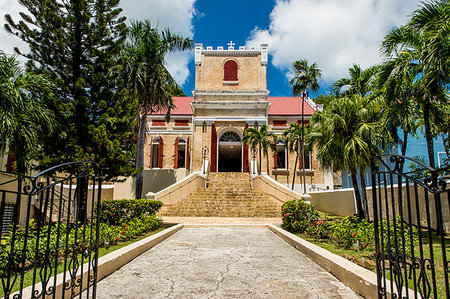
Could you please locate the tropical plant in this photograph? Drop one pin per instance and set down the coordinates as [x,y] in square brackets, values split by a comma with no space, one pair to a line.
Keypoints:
[24,120]
[147,78]
[261,138]
[422,45]
[347,133]
[306,77]
[293,135]
[75,44]
[360,82]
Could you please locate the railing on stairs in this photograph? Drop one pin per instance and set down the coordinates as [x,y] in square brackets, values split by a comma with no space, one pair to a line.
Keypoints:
[205,165]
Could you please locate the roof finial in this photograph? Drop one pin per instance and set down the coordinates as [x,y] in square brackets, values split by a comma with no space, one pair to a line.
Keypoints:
[231,45]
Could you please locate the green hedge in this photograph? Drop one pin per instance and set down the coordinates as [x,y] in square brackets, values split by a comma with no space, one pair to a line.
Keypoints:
[115,212]
[349,232]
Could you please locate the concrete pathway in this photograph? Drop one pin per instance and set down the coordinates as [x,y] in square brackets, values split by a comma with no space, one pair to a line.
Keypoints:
[217,262]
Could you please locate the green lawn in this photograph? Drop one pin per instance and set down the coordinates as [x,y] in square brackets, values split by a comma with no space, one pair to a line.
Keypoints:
[358,256]
[28,277]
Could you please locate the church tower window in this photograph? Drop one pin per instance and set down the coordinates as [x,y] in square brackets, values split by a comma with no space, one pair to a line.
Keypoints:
[230,71]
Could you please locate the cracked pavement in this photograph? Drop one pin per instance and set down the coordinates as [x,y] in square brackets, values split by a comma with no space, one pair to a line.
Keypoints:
[218,262]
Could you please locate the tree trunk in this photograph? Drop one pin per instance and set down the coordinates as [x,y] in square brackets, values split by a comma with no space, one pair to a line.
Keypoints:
[260,157]
[140,156]
[295,170]
[428,137]
[359,208]
[403,147]
[364,194]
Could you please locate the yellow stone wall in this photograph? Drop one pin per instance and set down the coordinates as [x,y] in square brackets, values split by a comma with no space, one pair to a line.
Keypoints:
[251,74]
[200,139]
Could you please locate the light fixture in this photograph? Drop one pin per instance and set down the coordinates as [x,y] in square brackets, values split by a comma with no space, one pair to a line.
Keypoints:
[231,146]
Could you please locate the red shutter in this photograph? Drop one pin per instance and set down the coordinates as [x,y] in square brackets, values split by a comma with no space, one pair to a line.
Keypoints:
[230,71]
[181,123]
[10,162]
[161,150]
[175,156]
[158,122]
[188,156]
[245,158]
[279,123]
[305,122]
[213,149]
[275,157]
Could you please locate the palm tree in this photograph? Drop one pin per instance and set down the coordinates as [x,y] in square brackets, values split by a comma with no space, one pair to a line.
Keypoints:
[359,82]
[348,132]
[23,117]
[422,46]
[306,78]
[147,78]
[262,139]
[293,135]
[397,85]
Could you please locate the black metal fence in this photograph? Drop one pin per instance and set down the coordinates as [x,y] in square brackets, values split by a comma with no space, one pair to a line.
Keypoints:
[49,232]
[411,213]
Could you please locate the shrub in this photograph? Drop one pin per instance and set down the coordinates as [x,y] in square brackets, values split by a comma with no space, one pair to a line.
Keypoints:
[115,212]
[353,232]
[298,215]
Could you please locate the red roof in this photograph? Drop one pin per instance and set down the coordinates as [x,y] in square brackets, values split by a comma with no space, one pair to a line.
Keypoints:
[279,106]
[288,106]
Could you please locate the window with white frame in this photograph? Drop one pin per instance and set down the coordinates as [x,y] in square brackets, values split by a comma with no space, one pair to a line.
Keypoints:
[281,154]
[155,153]
[307,161]
[181,153]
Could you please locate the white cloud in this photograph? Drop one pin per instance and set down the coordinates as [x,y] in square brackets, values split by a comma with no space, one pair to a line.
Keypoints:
[174,14]
[335,33]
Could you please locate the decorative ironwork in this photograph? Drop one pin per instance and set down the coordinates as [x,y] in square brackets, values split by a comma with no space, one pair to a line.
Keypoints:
[408,208]
[54,228]
[205,152]
[230,136]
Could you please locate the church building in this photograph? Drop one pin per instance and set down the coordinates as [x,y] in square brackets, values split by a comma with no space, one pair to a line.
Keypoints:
[230,96]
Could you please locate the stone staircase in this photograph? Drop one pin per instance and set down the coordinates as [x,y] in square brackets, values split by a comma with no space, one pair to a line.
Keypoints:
[228,195]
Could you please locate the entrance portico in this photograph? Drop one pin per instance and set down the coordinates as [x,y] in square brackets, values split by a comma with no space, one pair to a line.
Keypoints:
[229,152]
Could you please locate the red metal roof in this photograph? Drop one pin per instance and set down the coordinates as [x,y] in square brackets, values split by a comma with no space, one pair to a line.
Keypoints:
[279,106]
[288,106]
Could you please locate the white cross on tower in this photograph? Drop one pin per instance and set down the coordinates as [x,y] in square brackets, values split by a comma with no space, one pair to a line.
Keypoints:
[231,45]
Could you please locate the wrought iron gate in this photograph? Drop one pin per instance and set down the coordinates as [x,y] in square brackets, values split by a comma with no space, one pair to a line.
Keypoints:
[50,232]
[411,214]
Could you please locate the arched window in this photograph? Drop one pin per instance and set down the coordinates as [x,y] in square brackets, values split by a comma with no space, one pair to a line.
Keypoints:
[230,71]
[157,153]
[230,136]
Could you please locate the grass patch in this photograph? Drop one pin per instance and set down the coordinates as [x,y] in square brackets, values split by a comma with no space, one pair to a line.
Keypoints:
[366,258]
[28,276]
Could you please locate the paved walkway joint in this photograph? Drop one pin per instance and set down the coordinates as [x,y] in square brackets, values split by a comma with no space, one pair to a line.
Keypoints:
[211,262]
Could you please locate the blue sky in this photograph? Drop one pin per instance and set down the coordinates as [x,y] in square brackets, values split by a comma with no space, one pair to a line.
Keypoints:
[334,33]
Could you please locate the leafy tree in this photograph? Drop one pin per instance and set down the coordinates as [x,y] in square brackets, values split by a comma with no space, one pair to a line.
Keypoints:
[24,120]
[422,45]
[262,139]
[293,136]
[346,133]
[147,78]
[75,44]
